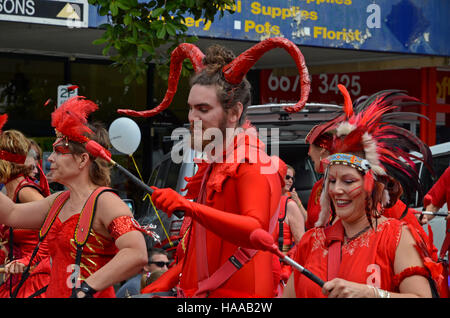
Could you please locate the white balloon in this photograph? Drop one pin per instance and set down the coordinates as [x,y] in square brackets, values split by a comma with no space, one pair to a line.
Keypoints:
[125,135]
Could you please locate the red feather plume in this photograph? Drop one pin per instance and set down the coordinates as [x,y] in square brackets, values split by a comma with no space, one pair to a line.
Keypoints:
[348,106]
[3,120]
[70,119]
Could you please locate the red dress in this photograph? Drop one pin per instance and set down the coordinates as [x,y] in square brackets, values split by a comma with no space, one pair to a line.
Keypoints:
[96,253]
[368,259]
[245,198]
[24,241]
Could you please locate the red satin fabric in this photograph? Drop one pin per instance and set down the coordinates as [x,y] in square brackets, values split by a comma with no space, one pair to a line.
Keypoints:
[368,259]
[239,199]
[96,253]
[24,242]
[313,208]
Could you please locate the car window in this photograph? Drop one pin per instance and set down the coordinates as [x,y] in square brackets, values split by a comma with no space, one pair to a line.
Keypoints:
[172,175]
[162,173]
[296,155]
[440,163]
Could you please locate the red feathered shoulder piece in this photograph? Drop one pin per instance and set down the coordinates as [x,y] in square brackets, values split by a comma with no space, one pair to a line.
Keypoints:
[3,120]
[70,119]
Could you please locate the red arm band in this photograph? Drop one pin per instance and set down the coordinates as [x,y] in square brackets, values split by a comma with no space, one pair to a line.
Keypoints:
[124,224]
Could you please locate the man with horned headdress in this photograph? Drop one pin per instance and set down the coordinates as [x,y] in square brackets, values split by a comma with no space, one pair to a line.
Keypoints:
[237,191]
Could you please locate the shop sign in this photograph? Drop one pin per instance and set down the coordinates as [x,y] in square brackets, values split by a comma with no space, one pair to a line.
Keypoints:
[73,13]
[276,87]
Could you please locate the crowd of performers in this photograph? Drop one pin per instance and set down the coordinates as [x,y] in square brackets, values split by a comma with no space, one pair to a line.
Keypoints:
[356,235]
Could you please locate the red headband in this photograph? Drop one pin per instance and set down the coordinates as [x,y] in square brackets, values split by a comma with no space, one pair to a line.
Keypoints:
[12,157]
[233,72]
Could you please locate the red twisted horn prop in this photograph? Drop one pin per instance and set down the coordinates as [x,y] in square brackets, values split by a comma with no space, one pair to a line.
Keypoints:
[181,52]
[235,71]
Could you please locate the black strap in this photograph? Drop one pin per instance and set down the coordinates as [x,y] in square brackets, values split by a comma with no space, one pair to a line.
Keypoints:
[38,292]
[281,227]
[26,271]
[10,256]
[434,291]
[77,270]
[404,213]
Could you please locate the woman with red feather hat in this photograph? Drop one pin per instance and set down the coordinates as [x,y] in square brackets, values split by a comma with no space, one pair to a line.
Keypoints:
[19,243]
[94,241]
[363,253]
[233,197]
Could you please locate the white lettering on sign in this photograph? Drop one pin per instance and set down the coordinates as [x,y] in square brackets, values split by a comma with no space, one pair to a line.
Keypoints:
[283,83]
[23,7]
[374,19]
[351,82]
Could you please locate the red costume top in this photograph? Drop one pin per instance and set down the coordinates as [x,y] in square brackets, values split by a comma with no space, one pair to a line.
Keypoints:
[367,259]
[250,199]
[313,208]
[96,253]
[438,195]
[24,242]
[288,239]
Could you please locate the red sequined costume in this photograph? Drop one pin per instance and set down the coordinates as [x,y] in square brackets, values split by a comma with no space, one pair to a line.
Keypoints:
[366,259]
[24,242]
[98,251]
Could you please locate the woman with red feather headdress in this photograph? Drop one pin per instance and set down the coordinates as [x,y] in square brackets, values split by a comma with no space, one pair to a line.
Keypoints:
[94,241]
[320,140]
[19,243]
[363,253]
[233,197]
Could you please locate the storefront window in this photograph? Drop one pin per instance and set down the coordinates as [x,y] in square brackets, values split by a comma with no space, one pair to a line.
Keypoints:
[26,83]
[105,85]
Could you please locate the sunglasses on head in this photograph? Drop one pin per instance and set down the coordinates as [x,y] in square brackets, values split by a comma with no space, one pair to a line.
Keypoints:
[161,264]
[288,177]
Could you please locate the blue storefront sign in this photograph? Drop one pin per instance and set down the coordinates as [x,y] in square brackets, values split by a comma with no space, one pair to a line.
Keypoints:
[404,26]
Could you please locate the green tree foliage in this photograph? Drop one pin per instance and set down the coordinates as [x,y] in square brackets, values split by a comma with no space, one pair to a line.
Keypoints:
[144,32]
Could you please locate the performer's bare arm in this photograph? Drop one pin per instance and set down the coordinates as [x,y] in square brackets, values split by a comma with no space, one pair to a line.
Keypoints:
[289,289]
[28,215]
[132,255]
[295,220]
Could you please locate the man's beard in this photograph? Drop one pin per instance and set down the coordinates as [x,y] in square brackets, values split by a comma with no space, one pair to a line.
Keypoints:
[201,144]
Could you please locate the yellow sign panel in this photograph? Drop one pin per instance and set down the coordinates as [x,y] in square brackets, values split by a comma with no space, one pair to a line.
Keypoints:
[68,12]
